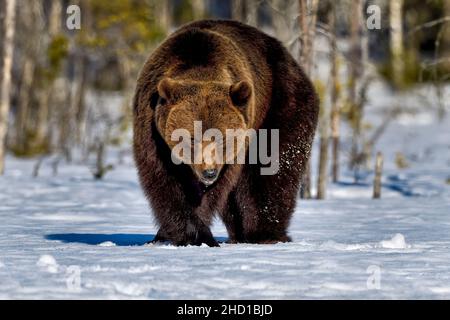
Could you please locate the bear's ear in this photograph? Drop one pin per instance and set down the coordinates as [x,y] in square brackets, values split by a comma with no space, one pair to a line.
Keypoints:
[166,89]
[240,93]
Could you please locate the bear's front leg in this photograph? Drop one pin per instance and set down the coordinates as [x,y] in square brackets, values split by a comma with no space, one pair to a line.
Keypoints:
[267,220]
[192,232]
[252,222]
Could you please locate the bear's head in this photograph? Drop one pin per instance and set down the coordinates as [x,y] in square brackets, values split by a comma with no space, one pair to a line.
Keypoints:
[194,118]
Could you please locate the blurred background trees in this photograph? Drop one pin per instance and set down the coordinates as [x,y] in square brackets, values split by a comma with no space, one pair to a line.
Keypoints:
[68,92]
[8,22]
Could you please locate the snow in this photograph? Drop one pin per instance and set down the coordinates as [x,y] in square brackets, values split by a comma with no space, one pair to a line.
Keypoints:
[397,242]
[48,263]
[69,236]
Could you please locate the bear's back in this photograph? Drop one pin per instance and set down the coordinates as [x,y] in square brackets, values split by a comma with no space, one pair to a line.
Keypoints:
[257,46]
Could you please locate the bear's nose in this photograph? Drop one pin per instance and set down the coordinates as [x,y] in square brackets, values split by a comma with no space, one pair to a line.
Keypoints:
[209,174]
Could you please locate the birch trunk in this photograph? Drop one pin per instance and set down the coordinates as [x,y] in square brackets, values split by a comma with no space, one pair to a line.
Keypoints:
[238,10]
[335,113]
[245,11]
[397,50]
[163,14]
[324,122]
[378,174]
[355,60]
[307,20]
[5,85]
[323,161]
[199,8]
[279,21]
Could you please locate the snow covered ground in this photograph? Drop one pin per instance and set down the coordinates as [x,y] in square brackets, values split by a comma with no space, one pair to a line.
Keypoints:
[72,237]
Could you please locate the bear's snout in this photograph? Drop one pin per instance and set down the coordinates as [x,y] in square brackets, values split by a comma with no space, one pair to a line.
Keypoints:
[210,174]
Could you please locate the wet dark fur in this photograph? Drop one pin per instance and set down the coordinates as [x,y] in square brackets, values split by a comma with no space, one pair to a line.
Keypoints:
[254,208]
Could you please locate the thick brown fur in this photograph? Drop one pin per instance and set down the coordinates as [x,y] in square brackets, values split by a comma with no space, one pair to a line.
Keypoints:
[204,58]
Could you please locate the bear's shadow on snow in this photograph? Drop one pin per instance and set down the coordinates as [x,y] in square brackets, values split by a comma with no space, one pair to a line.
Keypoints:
[119,239]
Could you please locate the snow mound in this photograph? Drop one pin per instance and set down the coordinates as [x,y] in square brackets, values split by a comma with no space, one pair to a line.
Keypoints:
[48,263]
[332,245]
[397,242]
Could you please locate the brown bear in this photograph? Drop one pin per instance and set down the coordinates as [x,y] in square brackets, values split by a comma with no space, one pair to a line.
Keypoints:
[226,75]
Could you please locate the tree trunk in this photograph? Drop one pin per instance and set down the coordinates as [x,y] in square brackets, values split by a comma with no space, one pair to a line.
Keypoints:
[163,13]
[55,17]
[5,84]
[442,53]
[279,23]
[324,121]
[378,174]
[355,47]
[323,162]
[81,85]
[397,50]
[305,187]
[446,38]
[252,12]
[335,113]
[22,114]
[60,93]
[28,37]
[65,117]
[307,20]
[199,8]
[355,58]
[304,35]
[245,11]
[79,92]
[238,10]
[45,115]
[42,117]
